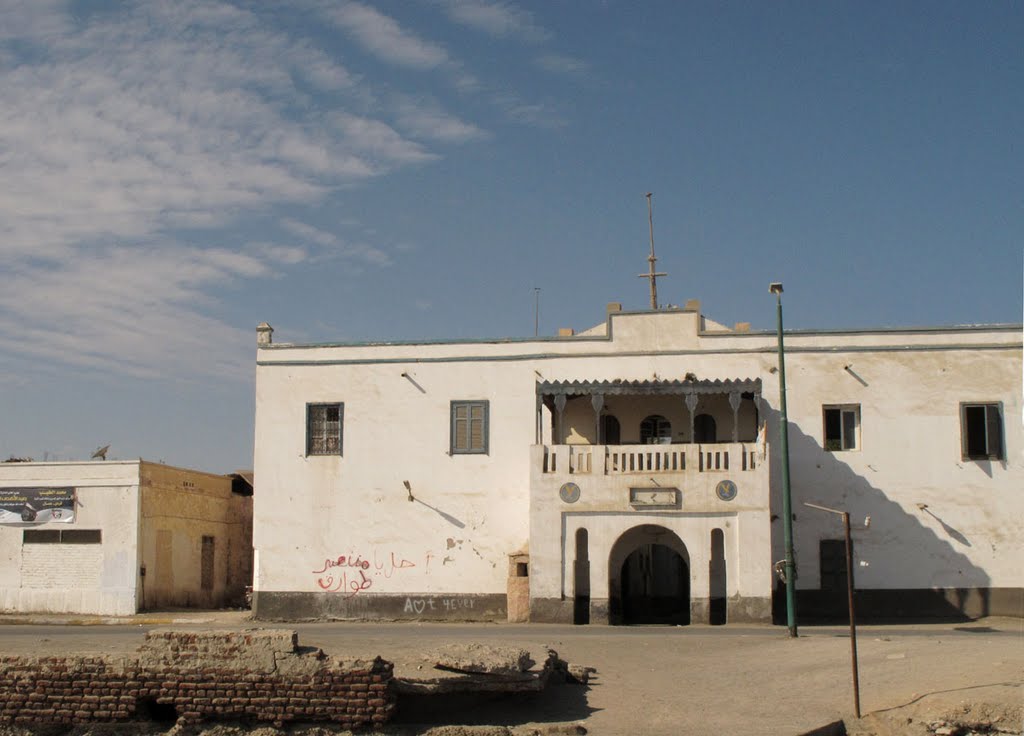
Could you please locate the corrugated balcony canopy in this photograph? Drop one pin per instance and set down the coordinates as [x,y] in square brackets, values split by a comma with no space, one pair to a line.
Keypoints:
[649,388]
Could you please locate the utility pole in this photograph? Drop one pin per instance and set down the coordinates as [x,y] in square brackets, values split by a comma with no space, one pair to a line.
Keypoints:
[651,259]
[849,596]
[787,503]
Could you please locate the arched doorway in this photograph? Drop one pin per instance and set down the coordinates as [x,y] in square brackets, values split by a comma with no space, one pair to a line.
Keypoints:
[649,578]
[611,432]
[655,430]
[705,431]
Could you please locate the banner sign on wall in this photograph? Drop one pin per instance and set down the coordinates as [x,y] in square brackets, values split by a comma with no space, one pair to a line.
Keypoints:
[35,505]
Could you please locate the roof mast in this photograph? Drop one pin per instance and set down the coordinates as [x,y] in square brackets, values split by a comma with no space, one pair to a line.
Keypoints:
[651,259]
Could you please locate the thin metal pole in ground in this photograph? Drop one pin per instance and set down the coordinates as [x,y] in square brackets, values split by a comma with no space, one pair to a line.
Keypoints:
[787,503]
[849,595]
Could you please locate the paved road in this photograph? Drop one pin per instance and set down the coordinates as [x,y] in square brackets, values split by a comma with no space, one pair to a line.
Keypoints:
[664,680]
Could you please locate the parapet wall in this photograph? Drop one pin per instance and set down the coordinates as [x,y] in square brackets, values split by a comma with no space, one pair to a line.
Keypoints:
[249,675]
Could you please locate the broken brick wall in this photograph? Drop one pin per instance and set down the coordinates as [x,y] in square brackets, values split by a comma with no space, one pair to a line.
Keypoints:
[250,675]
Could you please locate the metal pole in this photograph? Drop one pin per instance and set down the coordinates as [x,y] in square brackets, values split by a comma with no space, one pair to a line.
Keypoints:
[651,259]
[853,616]
[849,594]
[787,505]
[536,311]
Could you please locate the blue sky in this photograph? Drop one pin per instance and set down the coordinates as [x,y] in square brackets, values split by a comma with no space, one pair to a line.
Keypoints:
[175,173]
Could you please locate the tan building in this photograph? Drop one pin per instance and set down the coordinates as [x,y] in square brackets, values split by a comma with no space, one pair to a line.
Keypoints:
[114,538]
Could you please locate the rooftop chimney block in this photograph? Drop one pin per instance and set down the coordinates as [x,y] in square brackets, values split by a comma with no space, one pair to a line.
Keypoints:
[264,334]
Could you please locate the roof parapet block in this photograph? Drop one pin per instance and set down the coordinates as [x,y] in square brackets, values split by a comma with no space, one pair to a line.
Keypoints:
[264,334]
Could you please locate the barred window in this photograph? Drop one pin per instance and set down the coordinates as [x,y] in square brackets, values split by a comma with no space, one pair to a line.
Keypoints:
[62,536]
[323,428]
[469,427]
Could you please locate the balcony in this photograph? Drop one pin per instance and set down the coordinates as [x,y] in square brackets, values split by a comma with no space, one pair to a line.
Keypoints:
[612,460]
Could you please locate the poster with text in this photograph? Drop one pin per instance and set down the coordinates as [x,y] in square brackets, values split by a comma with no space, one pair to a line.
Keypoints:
[36,505]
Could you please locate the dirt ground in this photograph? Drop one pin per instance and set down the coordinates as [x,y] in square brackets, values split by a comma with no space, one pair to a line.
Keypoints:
[937,679]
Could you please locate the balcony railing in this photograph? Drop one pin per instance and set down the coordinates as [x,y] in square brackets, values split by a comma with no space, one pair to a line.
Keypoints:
[623,459]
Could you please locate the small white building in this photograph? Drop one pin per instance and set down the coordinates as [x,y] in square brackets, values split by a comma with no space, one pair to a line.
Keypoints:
[116,537]
[631,473]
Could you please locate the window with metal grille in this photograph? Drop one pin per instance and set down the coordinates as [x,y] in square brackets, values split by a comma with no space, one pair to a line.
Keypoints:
[62,536]
[323,428]
[469,427]
[981,431]
[842,427]
[206,564]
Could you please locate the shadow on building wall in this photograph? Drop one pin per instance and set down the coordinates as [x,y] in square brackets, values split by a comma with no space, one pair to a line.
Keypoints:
[917,555]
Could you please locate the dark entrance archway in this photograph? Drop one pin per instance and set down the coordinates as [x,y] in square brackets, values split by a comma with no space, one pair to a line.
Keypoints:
[649,578]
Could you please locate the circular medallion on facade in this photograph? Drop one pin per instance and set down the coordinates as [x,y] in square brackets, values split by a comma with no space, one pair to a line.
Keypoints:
[726,490]
[569,492]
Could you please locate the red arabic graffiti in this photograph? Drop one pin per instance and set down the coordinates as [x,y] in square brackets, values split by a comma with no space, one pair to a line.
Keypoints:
[348,573]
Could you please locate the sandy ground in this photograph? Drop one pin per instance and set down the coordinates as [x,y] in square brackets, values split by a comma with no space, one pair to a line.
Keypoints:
[686,680]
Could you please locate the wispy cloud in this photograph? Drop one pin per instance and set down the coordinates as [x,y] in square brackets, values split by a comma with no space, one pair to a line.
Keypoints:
[561,64]
[424,118]
[121,127]
[383,37]
[534,114]
[337,246]
[496,18]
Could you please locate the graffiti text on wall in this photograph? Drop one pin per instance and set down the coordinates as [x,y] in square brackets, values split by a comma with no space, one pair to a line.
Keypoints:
[417,606]
[352,574]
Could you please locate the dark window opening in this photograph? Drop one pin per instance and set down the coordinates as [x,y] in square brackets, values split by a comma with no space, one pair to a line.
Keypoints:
[80,536]
[62,536]
[655,430]
[832,559]
[611,433]
[982,430]
[206,564]
[581,579]
[323,428]
[522,569]
[717,583]
[842,425]
[705,431]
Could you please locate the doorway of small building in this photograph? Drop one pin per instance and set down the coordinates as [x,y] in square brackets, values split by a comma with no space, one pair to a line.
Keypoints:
[649,578]
[581,579]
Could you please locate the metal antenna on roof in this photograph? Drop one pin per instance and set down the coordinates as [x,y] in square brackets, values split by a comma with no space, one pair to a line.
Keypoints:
[101,453]
[536,311]
[651,259]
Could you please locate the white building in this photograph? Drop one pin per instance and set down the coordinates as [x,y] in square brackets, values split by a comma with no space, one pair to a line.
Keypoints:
[631,473]
[116,537]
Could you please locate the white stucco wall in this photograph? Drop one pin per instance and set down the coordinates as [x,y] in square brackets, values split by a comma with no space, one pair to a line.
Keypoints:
[472,511]
[469,513]
[910,454]
[75,578]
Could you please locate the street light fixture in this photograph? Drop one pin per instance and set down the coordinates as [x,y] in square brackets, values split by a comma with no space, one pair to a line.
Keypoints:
[787,505]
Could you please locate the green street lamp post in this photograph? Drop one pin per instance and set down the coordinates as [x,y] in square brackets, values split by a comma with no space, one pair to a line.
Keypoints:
[787,504]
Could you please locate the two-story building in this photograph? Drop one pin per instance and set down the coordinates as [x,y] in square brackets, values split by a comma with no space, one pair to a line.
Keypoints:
[630,473]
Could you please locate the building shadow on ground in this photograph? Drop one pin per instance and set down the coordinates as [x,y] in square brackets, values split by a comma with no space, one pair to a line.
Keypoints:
[559,702]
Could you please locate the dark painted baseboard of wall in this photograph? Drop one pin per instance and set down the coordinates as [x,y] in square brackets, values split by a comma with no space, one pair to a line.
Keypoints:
[906,604]
[295,606]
